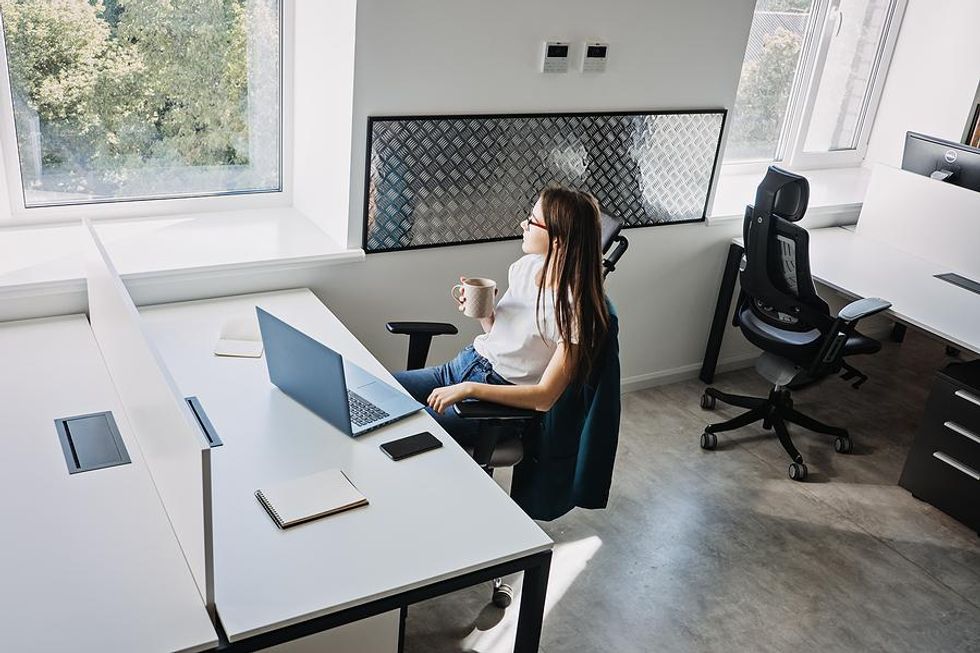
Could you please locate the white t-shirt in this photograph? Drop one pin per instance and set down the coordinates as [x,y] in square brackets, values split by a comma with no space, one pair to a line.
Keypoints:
[514,345]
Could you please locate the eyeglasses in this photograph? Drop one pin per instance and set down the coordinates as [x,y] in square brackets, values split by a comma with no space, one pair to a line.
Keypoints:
[532,223]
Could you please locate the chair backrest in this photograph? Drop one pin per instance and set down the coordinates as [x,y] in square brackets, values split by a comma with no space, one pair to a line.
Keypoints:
[775,272]
[572,448]
[611,226]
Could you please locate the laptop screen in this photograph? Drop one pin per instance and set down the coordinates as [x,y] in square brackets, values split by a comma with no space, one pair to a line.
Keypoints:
[306,370]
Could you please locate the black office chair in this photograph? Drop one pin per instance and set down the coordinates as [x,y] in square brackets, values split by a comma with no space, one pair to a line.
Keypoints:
[780,312]
[500,441]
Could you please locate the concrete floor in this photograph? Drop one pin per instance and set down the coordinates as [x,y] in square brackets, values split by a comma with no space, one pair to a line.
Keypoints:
[720,551]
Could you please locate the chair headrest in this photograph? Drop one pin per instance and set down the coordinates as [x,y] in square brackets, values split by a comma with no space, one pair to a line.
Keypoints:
[792,193]
[611,226]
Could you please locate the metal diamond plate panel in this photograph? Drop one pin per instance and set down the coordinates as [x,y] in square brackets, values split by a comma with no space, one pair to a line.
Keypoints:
[451,180]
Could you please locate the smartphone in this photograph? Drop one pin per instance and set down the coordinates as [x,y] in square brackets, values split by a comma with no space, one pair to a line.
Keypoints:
[411,445]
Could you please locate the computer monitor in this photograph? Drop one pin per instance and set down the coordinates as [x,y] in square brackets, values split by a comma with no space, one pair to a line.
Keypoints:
[947,161]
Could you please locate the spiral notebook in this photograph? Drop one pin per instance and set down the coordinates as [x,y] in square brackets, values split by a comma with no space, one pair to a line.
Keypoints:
[310,497]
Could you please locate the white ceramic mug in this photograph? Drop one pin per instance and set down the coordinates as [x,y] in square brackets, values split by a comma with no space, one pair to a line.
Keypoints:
[476,295]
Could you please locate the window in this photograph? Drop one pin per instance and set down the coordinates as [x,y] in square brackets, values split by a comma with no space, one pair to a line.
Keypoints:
[138,100]
[811,79]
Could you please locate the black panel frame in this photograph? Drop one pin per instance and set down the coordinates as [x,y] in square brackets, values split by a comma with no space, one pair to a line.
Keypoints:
[203,421]
[484,116]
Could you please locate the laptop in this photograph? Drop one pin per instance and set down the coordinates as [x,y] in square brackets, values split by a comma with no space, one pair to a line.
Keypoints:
[346,396]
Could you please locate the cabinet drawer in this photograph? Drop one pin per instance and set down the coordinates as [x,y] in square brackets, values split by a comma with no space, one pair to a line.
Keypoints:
[946,483]
[953,438]
[954,403]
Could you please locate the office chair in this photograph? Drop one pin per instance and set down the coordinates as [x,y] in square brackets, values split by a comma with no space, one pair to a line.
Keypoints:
[500,442]
[780,312]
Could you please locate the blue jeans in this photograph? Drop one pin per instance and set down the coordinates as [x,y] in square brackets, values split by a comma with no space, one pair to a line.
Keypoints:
[467,366]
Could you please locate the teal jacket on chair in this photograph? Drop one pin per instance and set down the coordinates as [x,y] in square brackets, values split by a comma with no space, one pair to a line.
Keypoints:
[568,461]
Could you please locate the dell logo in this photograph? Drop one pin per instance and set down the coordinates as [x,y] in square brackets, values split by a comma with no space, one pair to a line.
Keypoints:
[950,156]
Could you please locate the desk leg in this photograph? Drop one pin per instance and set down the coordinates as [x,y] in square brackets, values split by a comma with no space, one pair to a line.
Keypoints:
[898,332]
[533,593]
[402,618]
[720,321]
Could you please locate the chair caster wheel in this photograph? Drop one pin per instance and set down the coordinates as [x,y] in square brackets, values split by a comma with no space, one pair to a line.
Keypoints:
[707,401]
[766,425]
[797,471]
[843,444]
[503,595]
[709,441]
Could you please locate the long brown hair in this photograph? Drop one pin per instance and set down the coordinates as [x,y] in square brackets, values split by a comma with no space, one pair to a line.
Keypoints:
[574,269]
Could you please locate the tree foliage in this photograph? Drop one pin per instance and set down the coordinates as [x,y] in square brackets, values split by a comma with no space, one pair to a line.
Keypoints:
[111,85]
[763,94]
[791,6]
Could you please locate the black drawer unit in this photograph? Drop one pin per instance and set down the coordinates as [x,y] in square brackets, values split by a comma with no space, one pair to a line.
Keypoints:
[943,465]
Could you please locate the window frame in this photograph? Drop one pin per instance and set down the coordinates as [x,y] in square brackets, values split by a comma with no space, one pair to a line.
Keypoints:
[799,112]
[11,180]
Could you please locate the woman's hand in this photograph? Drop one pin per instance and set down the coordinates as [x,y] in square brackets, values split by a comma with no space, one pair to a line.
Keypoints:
[442,398]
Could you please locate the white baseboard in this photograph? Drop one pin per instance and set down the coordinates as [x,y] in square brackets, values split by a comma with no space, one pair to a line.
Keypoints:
[881,331]
[663,377]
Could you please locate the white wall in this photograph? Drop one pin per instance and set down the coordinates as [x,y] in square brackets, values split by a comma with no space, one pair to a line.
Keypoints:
[473,56]
[932,79]
[323,83]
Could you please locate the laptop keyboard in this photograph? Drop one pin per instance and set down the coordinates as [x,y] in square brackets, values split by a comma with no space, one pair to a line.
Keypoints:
[363,411]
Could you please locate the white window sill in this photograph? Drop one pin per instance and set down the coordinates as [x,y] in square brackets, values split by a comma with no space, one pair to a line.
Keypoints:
[44,257]
[834,193]
[46,260]
[216,241]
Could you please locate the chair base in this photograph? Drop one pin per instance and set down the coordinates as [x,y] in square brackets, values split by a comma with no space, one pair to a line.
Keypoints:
[774,413]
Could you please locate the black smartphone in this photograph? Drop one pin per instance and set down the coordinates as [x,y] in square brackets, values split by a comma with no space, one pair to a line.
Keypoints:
[411,445]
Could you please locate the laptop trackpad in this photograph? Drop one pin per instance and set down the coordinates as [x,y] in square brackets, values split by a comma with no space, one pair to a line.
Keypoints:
[378,392]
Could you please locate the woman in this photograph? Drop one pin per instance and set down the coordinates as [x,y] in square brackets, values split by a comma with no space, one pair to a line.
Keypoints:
[545,332]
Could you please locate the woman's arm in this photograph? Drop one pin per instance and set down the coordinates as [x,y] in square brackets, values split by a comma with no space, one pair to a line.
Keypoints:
[540,396]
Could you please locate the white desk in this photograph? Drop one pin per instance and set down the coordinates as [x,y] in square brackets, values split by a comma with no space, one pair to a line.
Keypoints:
[435,522]
[859,266]
[89,561]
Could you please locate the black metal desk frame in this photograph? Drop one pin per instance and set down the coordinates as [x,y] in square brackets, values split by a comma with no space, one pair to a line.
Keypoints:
[536,568]
[722,307]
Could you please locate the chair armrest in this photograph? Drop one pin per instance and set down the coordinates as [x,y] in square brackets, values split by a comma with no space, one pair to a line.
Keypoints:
[422,328]
[830,354]
[419,338]
[862,308]
[475,409]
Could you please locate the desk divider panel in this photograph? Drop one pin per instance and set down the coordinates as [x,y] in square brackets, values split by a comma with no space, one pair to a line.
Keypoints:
[176,454]
[931,219]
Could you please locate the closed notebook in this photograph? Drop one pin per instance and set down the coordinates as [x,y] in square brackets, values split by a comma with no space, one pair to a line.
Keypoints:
[310,497]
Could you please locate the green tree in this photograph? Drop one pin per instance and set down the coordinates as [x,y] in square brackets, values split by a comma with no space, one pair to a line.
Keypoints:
[791,6]
[108,87]
[196,91]
[763,94]
[64,67]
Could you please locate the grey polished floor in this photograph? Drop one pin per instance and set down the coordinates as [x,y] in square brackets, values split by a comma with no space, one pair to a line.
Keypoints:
[720,551]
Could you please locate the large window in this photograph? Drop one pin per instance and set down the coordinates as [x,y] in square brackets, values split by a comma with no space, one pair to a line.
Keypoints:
[811,79]
[141,99]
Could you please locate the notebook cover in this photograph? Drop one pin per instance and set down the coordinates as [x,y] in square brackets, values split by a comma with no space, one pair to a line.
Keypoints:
[309,497]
